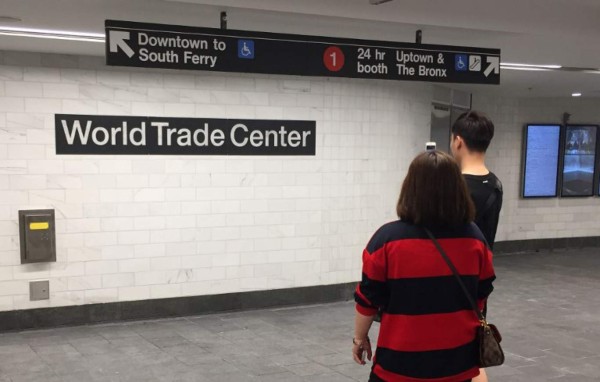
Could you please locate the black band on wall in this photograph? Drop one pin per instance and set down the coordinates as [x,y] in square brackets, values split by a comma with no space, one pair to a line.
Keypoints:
[172,307]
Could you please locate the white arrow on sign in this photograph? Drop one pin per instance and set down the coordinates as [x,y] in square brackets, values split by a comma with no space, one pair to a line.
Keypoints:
[117,40]
[494,66]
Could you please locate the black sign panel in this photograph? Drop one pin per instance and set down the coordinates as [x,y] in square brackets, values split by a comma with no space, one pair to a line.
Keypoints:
[126,135]
[178,47]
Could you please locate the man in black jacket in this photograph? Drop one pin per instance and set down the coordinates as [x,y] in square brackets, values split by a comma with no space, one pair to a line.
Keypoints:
[471,136]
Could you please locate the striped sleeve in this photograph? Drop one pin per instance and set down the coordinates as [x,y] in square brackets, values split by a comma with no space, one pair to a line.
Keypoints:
[372,292]
[486,275]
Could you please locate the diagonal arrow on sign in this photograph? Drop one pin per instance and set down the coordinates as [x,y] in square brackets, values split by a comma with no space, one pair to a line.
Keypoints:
[494,66]
[117,40]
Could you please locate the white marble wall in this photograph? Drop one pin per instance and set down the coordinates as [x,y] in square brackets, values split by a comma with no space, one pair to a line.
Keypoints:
[132,228]
[524,219]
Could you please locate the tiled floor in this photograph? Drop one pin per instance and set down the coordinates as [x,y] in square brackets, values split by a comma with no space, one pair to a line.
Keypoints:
[547,306]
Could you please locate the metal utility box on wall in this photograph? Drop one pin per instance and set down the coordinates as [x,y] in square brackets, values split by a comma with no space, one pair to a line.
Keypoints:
[37,234]
[39,290]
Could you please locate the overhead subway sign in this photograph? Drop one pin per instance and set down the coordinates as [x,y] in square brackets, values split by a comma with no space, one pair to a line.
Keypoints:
[179,47]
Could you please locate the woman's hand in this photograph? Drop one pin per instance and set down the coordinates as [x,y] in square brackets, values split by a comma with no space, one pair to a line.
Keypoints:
[359,347]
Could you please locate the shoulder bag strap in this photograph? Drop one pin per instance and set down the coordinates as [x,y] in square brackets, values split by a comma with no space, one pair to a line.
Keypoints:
[491,199]
[457,276]
[490,202]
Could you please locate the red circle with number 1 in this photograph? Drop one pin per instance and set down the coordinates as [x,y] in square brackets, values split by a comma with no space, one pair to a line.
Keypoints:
[333,58]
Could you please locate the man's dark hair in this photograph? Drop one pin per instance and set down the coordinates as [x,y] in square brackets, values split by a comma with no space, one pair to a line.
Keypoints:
[434,193]
[476,129]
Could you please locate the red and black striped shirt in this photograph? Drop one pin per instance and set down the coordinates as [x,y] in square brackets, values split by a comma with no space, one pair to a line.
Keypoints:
[428,329]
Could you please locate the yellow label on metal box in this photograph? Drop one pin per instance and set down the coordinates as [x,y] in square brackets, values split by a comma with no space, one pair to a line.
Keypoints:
[38,226]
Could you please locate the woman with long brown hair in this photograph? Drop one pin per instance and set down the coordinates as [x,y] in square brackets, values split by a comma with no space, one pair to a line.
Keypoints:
[428,329]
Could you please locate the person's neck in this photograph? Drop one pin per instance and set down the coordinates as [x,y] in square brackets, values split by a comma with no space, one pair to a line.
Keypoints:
[474,164]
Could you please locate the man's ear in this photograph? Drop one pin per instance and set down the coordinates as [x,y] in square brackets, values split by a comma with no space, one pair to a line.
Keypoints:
[459,142]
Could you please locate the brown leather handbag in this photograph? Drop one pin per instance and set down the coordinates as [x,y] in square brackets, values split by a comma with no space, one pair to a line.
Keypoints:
[488,336]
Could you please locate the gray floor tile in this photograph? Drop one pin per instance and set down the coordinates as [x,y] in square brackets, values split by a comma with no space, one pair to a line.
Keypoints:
[309,368]
[35,377]
[546,305]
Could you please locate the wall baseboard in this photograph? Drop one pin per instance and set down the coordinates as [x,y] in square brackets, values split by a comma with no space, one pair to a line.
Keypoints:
[197,305]
[516,246]
[171,307]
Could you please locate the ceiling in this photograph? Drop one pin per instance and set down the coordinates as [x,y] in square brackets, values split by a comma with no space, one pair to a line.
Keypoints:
[558,32]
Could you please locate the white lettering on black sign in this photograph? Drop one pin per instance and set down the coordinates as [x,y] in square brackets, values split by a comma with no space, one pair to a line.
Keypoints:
[179,47]
[94,134]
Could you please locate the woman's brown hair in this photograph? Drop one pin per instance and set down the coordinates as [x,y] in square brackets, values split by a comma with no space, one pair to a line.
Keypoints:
[434,193]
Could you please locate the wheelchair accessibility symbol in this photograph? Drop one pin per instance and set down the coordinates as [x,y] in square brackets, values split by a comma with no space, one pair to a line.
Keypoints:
[246,49]
[461,62]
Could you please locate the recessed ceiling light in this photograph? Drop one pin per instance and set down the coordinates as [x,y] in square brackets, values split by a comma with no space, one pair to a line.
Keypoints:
[9,19]
[531,65]
[576,95]
[525,68]
[52,34]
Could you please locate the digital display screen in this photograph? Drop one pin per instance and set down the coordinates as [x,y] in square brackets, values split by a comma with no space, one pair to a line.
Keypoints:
[579,160]
[540,174]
